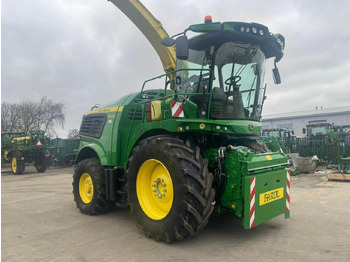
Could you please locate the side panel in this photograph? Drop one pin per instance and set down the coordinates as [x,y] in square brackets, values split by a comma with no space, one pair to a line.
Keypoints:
[121,129]
[99,132]
[117,137]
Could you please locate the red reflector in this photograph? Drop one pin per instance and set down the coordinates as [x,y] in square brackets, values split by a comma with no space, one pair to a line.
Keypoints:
[148,112]
[208,19]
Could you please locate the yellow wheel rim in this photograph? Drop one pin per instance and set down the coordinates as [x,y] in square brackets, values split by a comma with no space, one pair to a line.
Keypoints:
[14,164]
[154,188]
[86,188]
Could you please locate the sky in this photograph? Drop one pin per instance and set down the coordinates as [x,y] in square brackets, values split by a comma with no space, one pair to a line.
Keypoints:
[87,52]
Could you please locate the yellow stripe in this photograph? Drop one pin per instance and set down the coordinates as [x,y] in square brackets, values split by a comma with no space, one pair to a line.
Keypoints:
[106,110]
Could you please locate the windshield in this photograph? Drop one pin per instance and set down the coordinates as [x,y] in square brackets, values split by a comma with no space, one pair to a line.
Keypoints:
[274,133]
[233,72]
[319,130]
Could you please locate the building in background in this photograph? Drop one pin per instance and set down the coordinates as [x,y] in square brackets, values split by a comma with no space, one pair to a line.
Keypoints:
[298,120]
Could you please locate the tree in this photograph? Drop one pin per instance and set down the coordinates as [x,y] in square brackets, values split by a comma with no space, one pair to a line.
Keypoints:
[27,115]
[9,117]
[30,115]
[73,133]
[50,114]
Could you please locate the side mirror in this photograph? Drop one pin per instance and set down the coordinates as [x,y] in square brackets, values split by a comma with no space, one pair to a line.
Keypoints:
[304,130]
[181,47]
[276,76]
[167,41]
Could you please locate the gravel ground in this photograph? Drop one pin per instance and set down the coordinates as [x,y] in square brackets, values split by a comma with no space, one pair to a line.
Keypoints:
[39,222]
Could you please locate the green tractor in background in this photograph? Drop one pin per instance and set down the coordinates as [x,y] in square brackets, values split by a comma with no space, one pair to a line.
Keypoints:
[318,141]
[343,132]
[18,149]
[340,136]
[178,153]
[279,139]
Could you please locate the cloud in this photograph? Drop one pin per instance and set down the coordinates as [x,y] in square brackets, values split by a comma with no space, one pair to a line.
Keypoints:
[85,52]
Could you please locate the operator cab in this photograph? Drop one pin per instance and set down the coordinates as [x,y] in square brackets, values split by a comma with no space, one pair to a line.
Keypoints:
[223,73]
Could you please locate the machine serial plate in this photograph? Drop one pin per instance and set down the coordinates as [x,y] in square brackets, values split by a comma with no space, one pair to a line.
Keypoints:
[271,196]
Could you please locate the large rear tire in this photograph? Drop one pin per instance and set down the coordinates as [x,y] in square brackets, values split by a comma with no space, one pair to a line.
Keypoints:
[89,187]
[41,161]
[169,188]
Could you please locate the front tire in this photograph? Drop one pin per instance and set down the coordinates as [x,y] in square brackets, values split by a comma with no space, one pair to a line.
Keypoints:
[89,187]
[169,188]
[17,164]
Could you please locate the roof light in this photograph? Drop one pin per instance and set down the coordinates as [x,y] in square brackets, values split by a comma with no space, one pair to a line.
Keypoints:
[247,30]
[254,30]
[208,19]
[242,29]
[261,32]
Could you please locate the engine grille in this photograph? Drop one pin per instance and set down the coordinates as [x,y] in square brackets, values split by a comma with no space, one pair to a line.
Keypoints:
[92,125]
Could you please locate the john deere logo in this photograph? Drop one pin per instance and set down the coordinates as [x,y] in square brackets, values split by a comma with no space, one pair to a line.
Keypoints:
[251,127]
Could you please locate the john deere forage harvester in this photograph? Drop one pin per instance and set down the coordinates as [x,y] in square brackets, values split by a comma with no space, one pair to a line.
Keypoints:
[177,153]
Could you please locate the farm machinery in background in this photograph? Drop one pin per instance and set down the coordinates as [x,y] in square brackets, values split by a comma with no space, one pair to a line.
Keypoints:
[279,139]
[343,133]
[329,142]
[18,149]
[319,141]
[190,147]
[284,141]
[326,143]
[63,151]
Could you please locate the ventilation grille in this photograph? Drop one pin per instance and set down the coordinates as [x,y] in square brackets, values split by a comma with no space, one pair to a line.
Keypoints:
[93,125]
[135,115]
